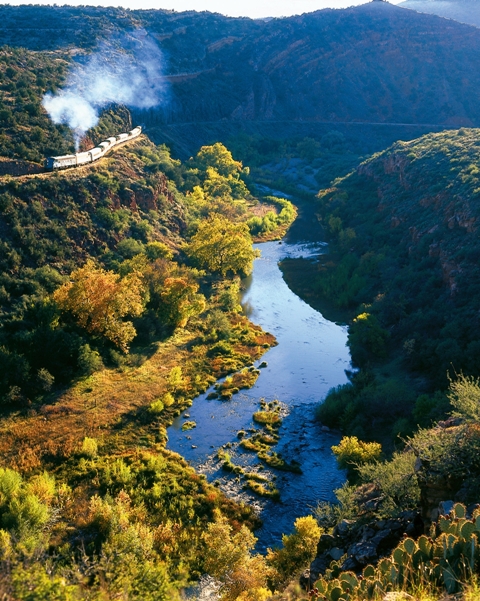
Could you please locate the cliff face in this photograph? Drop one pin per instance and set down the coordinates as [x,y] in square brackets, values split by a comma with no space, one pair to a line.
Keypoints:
[371,63]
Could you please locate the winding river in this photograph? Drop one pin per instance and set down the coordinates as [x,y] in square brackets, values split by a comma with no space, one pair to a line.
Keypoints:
[311,357]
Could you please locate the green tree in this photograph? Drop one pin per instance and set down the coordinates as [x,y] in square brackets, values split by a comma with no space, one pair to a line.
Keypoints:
[173,292]
[367,338]
[219,158]
[221,246]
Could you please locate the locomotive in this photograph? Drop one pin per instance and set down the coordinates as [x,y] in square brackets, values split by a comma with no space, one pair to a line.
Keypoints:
[82,158]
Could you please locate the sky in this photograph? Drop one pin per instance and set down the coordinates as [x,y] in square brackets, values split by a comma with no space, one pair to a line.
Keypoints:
[232,8]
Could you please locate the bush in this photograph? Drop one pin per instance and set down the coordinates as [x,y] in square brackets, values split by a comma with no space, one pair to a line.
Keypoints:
[299,548]
[351,452]
[89,447]
[156,407]
[464,395]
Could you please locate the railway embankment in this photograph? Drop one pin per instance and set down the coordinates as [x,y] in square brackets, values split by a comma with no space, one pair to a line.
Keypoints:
[16,167]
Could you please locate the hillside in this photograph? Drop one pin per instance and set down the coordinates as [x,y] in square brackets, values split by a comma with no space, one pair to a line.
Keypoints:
[464,11]
[118,306]
[324,67]
[403,230]
[318,67]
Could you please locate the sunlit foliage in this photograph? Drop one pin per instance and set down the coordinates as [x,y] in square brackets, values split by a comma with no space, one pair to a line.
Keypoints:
[221,246]
[100,299]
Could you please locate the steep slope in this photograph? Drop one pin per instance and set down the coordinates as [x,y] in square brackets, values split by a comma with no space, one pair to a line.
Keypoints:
[375,62]
[464,11]
[403,231]
[371,63]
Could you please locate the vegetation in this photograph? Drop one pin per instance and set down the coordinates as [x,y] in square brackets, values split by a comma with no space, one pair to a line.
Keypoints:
[119,304]
[107,331]
[351,453]
[221,246]
[445,560]
[399,266]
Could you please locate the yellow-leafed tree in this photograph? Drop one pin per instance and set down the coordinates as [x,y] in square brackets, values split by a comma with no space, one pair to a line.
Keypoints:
[100,299]
[222,246]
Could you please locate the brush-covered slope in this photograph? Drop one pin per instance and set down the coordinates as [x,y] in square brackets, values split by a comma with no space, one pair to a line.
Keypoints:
[371,63]
[405,224]
[403,266]
[465,11]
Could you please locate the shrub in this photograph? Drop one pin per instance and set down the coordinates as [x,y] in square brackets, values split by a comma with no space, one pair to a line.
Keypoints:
[168,399]
[156,407]
[89,447]
[299,548]
[464,395]
[351,452]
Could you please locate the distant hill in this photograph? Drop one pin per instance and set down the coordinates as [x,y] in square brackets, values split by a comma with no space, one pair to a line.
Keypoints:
[465,11]
[375,63]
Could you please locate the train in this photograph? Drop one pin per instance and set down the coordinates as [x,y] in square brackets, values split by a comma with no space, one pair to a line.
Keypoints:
[83,158]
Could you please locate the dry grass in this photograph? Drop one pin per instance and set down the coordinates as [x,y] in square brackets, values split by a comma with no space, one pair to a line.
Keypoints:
[96,405]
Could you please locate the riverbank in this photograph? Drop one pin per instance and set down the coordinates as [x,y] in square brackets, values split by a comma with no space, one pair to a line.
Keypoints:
[310,358]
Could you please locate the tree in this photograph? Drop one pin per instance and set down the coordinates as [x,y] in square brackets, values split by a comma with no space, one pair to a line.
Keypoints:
[173,292]
[220,173]
[219,158]
[367,338]
[221,246]
[100,299]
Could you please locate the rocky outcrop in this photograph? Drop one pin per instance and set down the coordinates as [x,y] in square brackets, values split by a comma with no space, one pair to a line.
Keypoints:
[355,544]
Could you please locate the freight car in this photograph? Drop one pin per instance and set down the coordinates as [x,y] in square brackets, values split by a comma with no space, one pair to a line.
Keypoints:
[83,158]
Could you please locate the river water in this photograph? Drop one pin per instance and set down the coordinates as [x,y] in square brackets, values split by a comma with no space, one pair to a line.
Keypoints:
[311,357]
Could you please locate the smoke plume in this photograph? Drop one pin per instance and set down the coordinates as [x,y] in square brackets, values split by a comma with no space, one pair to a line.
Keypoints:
[128,70]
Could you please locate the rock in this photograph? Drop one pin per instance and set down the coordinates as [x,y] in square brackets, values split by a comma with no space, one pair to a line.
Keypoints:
[363,553]
[385,541]
[336,553]
[327,541]
[398,597]
[318,566]
[445,507]
[368,533]
[342,528]
[350,565]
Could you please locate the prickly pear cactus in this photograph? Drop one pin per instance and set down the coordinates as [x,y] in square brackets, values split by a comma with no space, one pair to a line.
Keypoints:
[445,560]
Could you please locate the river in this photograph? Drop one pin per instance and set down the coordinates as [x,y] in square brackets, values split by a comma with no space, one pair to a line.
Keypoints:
[311,357]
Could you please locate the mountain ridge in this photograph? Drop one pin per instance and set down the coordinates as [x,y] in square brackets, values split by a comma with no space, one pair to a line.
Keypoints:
[464,11]
[371,63]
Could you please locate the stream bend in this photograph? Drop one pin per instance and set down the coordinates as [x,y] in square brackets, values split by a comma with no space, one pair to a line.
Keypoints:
[311,357]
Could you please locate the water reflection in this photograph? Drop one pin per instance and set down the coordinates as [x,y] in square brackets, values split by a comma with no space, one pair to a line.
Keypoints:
[311,357]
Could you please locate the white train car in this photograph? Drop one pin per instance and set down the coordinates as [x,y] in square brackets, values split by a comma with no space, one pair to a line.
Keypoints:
[89,156]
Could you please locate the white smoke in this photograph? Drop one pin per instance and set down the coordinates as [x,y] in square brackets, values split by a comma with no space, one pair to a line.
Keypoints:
[124,71]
